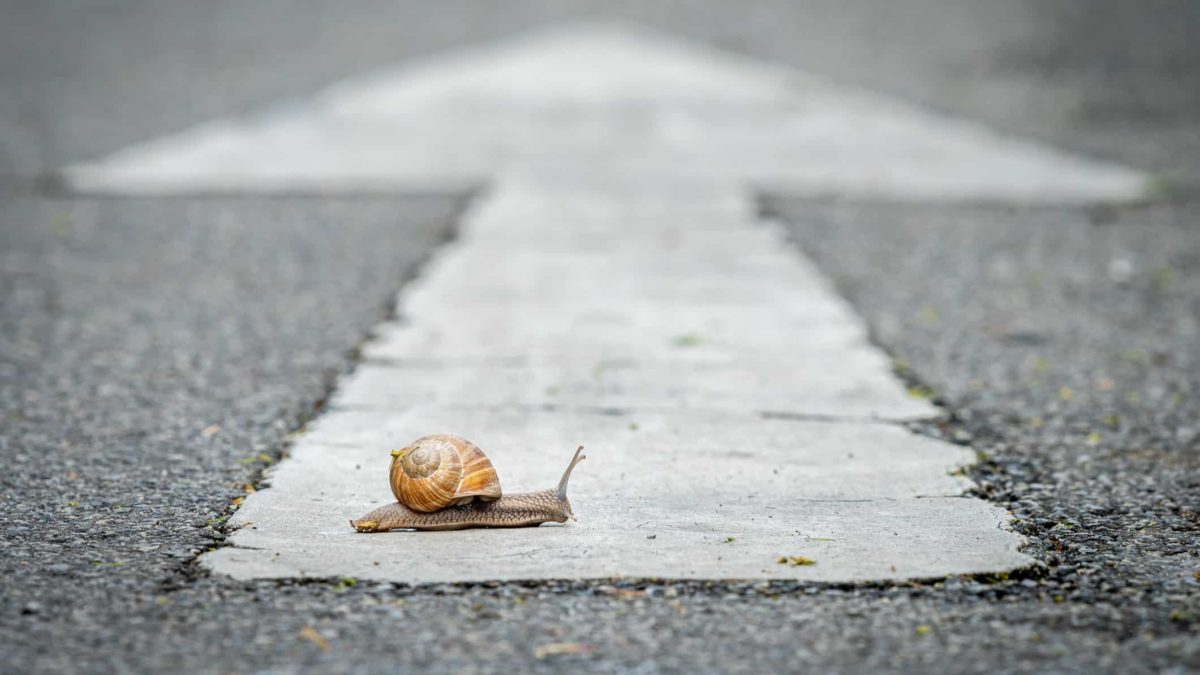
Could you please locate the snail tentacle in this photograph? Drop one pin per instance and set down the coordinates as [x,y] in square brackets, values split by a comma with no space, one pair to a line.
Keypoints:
[562,484]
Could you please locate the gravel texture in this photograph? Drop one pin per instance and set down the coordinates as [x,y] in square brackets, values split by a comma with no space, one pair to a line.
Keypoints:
[136,404]
[1064,342]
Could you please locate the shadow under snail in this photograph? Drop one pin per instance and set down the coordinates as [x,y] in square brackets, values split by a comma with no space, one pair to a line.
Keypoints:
[444,482]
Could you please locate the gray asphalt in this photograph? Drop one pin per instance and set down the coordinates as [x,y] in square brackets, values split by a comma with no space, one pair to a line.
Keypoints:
[155,353]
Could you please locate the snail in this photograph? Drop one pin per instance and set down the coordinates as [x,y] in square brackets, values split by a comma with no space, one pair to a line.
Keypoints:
[445,482]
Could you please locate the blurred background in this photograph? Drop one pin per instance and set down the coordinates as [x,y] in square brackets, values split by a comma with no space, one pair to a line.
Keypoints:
[1109,78]
[155,353]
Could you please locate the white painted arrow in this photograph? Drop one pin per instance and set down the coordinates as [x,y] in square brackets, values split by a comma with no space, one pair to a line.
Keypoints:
[614,288]
[609,100]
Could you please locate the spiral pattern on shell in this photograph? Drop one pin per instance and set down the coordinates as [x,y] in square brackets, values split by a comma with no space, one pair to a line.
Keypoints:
[434,472]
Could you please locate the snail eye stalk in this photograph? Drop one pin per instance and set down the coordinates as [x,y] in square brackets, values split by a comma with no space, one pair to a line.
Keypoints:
[562,484]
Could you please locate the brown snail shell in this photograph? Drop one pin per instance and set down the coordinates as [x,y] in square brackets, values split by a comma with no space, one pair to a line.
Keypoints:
[435,472]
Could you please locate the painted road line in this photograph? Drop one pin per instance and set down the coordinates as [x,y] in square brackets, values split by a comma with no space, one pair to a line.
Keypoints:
[689,477]
[597,97]
[614,288]
[666,495]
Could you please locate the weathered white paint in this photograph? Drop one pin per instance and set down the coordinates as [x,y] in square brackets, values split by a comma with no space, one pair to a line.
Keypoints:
[615,100]
[660,495]
[614,288]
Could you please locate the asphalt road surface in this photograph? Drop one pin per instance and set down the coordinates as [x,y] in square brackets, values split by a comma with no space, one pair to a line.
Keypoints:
[156,353]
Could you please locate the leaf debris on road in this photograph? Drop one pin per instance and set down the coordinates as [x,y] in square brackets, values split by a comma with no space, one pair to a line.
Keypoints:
[557,648]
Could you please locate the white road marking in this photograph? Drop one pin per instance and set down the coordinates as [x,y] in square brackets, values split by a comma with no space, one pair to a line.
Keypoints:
[662,499]
[612,101]
[614,288]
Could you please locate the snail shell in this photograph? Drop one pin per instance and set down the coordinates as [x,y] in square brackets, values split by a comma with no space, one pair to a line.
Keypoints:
[435,472]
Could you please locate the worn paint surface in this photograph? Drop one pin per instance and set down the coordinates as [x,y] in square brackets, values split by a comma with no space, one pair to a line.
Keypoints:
[614,288]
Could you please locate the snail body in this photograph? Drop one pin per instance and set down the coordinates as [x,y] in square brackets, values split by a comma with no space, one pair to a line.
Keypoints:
[527,509]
